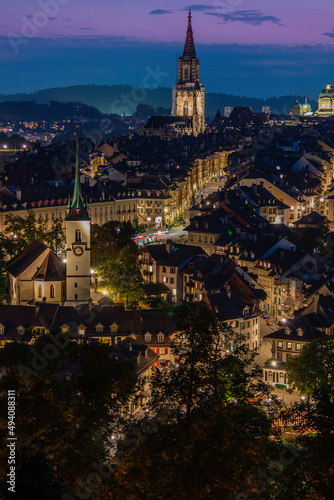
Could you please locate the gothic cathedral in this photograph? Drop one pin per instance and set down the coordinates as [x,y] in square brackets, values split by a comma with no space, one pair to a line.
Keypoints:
[77,247]
[189,93]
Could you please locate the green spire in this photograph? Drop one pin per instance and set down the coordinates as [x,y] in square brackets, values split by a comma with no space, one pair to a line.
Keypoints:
[77,210]
[77,186]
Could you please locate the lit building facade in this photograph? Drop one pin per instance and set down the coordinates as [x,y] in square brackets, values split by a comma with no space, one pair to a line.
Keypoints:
[189,93]
[326,102]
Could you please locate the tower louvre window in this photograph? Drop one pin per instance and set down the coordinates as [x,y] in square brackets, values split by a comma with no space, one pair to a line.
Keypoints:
[78,236]
[52,291]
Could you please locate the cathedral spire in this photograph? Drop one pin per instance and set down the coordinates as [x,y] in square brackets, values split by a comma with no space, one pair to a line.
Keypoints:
[189,46]
[77,210]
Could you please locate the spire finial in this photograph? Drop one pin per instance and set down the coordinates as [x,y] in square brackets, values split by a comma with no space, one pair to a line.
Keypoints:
[189,46]
[77,208]
[77,184]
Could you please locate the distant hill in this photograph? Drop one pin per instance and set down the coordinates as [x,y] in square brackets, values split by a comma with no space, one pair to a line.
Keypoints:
[124,99]
[30,110]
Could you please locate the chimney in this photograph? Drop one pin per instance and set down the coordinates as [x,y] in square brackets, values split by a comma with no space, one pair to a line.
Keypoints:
[287,331]
[169,246]
[125,183]
[146,352]
[130,346]
[37,308]
[254,187]
[18,193]
[56,183]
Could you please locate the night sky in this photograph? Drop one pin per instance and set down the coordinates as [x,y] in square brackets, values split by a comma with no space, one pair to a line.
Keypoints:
[255,48]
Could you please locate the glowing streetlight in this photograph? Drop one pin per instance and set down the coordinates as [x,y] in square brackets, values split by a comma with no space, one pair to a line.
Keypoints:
[64,260]
[274,364]
[92,271]
[104,292]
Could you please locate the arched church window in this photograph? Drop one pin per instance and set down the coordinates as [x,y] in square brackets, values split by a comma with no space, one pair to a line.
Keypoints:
[39,291]
[78,236]
[186,107]
[52,291]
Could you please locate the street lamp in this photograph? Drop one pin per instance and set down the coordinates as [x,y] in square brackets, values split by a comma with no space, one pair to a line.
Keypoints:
[274,364]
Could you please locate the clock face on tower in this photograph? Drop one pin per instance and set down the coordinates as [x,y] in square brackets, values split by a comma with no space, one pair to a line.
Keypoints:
[78,251]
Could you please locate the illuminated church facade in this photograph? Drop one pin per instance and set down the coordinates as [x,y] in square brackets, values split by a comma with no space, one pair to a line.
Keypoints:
[326,102]
[189,93]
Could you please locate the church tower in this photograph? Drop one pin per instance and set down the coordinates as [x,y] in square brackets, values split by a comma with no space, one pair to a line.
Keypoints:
[189,93]
[77,246]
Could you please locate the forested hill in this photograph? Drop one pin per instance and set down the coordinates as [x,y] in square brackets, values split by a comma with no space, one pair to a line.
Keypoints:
[124,99]
[52,111]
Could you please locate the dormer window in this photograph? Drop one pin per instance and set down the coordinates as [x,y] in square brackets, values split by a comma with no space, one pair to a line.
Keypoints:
[246,311]
[147,337]
[99,328]
[114,328]
[2,329]
[20,330]
[161,337]
[81,332]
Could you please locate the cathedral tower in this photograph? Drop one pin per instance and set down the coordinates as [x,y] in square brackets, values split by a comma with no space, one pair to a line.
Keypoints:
[189,93]
[77,246]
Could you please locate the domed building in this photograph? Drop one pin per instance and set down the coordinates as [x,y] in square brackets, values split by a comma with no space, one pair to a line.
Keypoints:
[326,102]
[306,108]
[296,109]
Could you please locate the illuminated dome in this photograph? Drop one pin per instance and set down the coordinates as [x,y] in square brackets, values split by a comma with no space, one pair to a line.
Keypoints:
[296,108]
[326,102]
[306,108]
[327,92]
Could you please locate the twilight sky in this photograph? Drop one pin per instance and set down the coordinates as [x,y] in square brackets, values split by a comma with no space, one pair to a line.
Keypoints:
[246,47]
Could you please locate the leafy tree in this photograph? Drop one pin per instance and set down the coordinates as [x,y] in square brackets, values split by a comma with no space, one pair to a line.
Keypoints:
[67,396]
[312,372]
[311,237]
[114,258]
[21,231]
[122,276]
[310,474]
[211,431]
[3,279]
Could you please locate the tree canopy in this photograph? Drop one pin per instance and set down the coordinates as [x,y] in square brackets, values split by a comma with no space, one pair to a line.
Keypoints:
[21,231]
[211,432]
[312,372]
[114,259]
[67,395]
